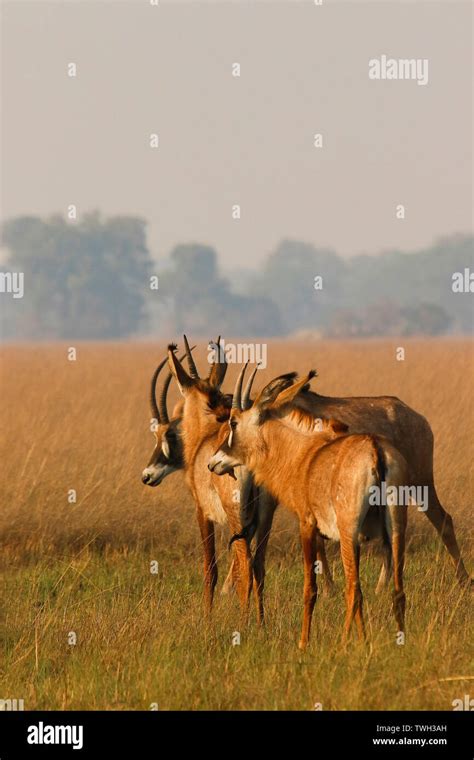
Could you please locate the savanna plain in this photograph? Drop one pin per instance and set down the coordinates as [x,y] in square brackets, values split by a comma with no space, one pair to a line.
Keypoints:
[142,639]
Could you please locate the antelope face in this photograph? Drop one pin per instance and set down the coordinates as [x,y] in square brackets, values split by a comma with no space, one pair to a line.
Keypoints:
[245,443]
[204,401]
[236,442]
[167,455]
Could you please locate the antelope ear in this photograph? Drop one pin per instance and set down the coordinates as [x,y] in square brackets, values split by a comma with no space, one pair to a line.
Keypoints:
[177,370]
[288,394]
[269,393]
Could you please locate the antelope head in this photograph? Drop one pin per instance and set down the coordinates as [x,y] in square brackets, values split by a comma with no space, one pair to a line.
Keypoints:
[243,441]
[243,436]
[203,400]
[167,456]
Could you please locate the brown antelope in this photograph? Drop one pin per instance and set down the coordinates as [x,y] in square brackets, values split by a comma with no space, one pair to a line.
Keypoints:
[325,478]
[411,434]
[230,500]
[168,457]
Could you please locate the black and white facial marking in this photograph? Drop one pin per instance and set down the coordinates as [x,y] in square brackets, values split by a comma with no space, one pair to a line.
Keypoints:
[167,456]
[223,461]
[222,464]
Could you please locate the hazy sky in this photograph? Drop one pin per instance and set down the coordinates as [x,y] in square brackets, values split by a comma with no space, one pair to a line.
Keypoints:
[246,140]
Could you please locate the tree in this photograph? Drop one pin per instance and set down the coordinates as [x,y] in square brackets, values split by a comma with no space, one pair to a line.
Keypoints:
[288,278]
[86,280]
[426,319]
[203,302]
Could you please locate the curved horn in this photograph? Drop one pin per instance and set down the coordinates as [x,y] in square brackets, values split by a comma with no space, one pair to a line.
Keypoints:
[154,406]
[217,345]
[185,382]
[192,367]
[248,388]
[162,401]
[218,368]
[237,397]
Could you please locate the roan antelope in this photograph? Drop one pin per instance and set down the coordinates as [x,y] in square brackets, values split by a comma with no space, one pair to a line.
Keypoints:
[168,457]
[236,501]
[325,478]
[410,433]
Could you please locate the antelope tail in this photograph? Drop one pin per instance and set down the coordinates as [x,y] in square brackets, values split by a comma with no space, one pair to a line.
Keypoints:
[381,467]
[246,533]
[381,461]
[250,528]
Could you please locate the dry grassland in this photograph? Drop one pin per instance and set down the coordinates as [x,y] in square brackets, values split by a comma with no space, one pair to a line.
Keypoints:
[84,567]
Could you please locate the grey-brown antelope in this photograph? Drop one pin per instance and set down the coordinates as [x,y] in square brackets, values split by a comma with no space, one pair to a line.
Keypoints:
[168,457]
[236,502]
[410,433]
[325,477]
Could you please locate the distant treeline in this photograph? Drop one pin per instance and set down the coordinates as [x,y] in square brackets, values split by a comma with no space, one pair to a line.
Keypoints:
[96,279]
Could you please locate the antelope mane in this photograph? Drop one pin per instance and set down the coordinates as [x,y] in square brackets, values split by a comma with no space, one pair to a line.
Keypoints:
[306,423]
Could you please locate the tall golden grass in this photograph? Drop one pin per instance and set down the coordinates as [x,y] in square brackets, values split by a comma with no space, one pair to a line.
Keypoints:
[84,567]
